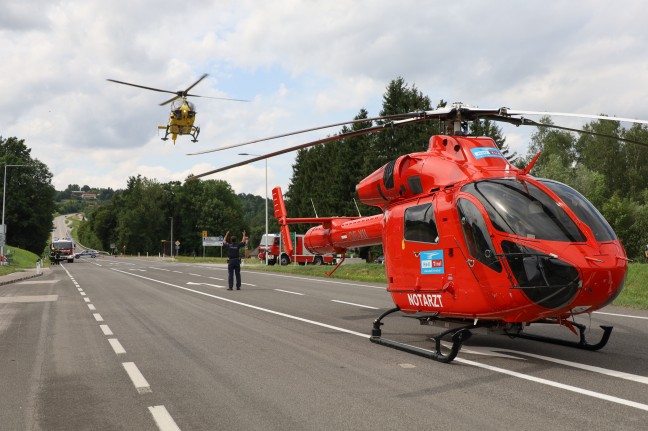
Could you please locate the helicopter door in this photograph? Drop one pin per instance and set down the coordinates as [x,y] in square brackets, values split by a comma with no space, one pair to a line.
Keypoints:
[479,249]
[420,263]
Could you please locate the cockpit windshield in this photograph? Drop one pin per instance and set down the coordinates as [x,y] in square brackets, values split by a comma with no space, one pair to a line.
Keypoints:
[583,209]
[520,208]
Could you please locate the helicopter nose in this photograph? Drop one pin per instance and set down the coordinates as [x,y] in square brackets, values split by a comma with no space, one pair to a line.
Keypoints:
[544,278]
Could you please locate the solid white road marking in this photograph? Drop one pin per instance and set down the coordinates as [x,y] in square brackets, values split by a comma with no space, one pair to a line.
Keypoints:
[98,317]
[163,419]
[116,345]
[621,315]
[593,369]
[288,291]
[357,305]
[570,388]
[136,377]
[460,360]
[106,330]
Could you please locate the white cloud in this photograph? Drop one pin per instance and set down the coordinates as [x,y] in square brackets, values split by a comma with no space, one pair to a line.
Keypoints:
[300,63]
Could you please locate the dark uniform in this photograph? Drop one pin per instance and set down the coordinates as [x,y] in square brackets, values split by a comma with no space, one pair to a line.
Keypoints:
[234,263]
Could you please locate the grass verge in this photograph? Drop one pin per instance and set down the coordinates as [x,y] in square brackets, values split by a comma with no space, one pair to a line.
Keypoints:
[22,259]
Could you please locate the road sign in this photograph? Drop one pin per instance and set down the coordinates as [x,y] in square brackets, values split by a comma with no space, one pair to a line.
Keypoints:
[204,234]
[3,239]
[177,243]
[213,241]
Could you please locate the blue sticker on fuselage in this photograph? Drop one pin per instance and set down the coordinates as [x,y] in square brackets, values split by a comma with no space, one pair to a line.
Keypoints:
[432,262]
[483,152]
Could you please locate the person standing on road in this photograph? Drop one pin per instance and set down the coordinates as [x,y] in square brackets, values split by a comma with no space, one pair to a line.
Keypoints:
[234,260]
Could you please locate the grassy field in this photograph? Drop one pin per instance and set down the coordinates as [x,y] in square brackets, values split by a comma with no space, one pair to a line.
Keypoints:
[635,293]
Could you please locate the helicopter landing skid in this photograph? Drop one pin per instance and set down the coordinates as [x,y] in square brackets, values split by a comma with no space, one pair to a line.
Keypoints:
[458,337]
[580,344]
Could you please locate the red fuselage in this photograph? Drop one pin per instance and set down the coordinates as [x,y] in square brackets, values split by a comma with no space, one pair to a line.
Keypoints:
[467,235]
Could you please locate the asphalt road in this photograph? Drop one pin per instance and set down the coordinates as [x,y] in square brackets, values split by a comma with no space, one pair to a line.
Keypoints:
[137,344]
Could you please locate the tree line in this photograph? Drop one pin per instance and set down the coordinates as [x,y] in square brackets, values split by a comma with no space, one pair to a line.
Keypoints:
[141,218]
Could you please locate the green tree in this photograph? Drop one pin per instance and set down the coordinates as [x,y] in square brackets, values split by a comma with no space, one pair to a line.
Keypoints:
[29,200]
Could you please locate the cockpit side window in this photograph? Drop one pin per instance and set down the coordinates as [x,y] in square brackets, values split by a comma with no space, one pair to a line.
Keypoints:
[476,235]
[420,225]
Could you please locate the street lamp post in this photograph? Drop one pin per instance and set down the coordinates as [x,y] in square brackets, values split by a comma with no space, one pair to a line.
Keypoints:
[171,238]
[266,203]
[4,193]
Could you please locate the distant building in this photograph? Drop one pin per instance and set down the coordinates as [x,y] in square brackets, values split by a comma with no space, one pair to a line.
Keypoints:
[89,196]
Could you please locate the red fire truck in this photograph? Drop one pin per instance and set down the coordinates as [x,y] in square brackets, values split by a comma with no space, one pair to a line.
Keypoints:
[301,255]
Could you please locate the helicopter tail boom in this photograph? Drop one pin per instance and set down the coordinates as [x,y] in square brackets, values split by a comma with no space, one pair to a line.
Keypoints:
[335,234]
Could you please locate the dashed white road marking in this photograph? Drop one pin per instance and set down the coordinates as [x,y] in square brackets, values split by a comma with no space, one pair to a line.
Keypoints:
[136,377]
[92,307]
[83,293]
[357,305]
[106,330]
[86,299]
[163,419]
[288,291]
[205,284]
[98,317]
[116,345]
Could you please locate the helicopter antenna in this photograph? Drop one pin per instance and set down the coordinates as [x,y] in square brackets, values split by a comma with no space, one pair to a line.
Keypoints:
[314,210]
[356,205]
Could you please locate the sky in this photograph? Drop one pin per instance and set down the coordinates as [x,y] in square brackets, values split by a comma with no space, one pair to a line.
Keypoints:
[301,64]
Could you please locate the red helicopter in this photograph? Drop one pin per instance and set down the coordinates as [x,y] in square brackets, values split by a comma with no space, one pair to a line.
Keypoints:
[470,241]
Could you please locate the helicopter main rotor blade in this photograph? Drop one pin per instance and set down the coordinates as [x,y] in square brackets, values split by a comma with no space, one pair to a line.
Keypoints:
[218,98]
[528,122]
[351,134]
[176,97]
[141,86]
[186,92]
[458,113]
[507,111]
[283,135]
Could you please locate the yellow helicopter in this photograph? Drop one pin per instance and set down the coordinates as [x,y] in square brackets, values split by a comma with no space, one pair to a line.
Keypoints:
[183,112]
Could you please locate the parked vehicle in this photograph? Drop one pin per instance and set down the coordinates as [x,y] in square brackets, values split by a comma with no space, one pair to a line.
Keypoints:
[62,249]
[301,255]
[89,252]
